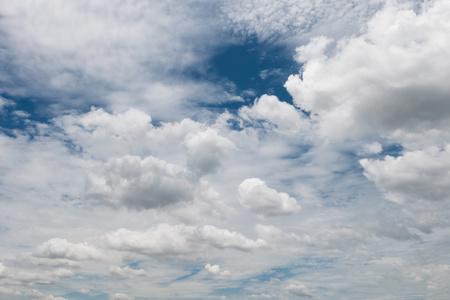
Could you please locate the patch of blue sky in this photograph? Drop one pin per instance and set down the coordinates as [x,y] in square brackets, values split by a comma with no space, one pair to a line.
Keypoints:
[86,296]
[394,150]
[193,272]
[250,70]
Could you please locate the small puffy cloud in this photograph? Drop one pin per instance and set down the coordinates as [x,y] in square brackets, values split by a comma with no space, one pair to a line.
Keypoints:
[257,197]
[205,151]
[299,290]
[373,148]
[416,175]
[120,296]
[58,248]
[175,241]
[140,183]
[285,117]
[126,272]
[215,270]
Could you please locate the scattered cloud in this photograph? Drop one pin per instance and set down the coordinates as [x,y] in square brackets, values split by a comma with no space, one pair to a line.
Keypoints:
[215,270]
[415,175]
[299,290]
[257,197]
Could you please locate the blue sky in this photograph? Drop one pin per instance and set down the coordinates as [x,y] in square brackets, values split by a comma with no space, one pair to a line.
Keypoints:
[293,149]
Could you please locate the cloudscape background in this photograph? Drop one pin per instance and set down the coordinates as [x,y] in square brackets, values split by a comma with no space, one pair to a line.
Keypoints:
[229,149]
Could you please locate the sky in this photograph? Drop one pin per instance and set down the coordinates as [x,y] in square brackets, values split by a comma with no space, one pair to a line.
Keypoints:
[288,149]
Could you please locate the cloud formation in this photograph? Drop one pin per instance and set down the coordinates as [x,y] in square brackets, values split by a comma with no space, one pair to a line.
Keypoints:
[179,241]
[354,89]
[140,183]
[257,197]
[416,175]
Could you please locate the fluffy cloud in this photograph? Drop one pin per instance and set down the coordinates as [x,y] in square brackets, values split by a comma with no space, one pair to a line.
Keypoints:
[62,249]
[373,148]
[181,240]
[416,175]
[215,270]
[205,150]
[257,197]
[126,272]
[392,80]
[285,117]
[140,183]
[299,290]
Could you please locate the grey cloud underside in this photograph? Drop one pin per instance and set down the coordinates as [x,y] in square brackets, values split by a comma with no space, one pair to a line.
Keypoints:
[141,183]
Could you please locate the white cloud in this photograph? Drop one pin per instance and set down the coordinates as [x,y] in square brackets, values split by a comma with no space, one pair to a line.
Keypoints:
[271,233]
[205,150]
[294,20]
[108,53]
[299,290]
[215,270]
[257,197]
[140,183]
[286,118]
[268,73]
[126,272]
[416,175]
[392,80]
[181,240]
[373,148]
[58,248]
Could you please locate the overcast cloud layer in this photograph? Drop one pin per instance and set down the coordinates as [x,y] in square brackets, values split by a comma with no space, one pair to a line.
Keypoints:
[133,167]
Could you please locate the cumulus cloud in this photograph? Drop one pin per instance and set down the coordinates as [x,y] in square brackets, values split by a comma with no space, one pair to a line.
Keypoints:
[205,150]
[391,80]
[126,272]
[58,248]
[215,270]
[416,175]
[299,290]
[179,240]
[285,117]
[101,135]
[140,183]
[257,197]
